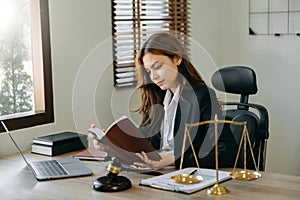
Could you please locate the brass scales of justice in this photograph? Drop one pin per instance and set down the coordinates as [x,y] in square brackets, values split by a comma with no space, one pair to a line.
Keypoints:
[244,174]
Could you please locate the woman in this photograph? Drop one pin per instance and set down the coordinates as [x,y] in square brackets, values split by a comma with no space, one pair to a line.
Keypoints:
[173,94]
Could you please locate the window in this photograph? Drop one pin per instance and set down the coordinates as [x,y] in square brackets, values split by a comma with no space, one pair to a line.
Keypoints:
[25,64]
[135,20]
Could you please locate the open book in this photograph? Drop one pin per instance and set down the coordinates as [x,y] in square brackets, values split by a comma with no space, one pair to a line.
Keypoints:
[124,140]
[165,182]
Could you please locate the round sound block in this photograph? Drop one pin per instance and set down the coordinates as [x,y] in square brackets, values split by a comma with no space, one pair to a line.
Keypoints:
[106,184]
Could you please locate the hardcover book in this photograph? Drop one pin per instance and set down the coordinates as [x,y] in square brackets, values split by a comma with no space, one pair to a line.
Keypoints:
[59,149]
[124,140]
[59,138]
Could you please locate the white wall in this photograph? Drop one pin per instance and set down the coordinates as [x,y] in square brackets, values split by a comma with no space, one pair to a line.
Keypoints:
[276,61]
[222,27]
[81,49]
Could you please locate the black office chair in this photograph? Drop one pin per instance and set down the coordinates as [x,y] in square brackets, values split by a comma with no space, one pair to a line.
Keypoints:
[241,80]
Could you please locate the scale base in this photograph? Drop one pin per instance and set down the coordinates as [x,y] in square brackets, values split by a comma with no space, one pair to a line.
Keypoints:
[217,190]
[245,175]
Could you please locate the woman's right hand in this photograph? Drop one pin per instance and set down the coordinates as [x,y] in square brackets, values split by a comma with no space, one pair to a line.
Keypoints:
[97,144]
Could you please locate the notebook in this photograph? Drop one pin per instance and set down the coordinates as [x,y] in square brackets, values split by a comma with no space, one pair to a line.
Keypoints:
[53,169]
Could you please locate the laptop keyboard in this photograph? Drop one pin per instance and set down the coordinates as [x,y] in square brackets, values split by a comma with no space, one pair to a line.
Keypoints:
[50,168]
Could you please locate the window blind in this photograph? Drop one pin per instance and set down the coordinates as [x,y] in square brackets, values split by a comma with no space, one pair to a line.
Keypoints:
[133,21]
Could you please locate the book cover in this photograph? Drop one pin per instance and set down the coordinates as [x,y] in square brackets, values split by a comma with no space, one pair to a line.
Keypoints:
[59,149]
[59,138]
[165,182]
[92,154]
[124,140]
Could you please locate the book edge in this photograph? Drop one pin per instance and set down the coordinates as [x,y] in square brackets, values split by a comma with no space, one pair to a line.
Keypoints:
[117,121]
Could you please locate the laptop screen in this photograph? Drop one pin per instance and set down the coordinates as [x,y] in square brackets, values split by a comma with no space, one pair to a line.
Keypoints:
[7,131]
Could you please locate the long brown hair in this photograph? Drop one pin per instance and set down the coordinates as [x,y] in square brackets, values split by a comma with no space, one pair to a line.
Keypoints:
[151,95]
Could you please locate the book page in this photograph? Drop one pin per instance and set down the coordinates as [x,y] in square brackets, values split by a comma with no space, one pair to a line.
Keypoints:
[99,133]
[96,131]
[117,121]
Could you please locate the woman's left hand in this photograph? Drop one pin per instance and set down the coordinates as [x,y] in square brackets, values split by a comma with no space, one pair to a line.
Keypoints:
[166,160]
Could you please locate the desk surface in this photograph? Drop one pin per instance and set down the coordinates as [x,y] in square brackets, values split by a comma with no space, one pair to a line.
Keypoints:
[18,183]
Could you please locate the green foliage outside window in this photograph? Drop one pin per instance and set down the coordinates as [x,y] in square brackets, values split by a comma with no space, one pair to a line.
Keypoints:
[16,89]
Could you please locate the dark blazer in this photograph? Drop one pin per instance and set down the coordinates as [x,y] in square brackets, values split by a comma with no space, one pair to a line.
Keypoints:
[195,105]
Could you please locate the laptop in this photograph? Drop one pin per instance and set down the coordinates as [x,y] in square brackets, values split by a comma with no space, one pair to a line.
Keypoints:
[53,169]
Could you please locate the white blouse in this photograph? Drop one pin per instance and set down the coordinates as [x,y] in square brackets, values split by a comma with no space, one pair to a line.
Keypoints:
[170,107]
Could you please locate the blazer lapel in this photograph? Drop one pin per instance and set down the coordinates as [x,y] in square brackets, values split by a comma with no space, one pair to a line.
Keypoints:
[182,112]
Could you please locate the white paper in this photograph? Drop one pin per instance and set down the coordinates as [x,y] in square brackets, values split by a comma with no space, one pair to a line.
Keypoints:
[165,181]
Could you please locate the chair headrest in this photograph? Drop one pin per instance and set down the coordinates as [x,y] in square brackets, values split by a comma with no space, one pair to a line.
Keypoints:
[235,79]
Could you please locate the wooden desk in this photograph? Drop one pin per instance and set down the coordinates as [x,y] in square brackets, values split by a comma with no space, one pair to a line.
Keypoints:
[18,183]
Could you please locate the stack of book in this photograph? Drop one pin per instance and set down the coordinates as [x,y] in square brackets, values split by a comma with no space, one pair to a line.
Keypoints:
[59,143]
